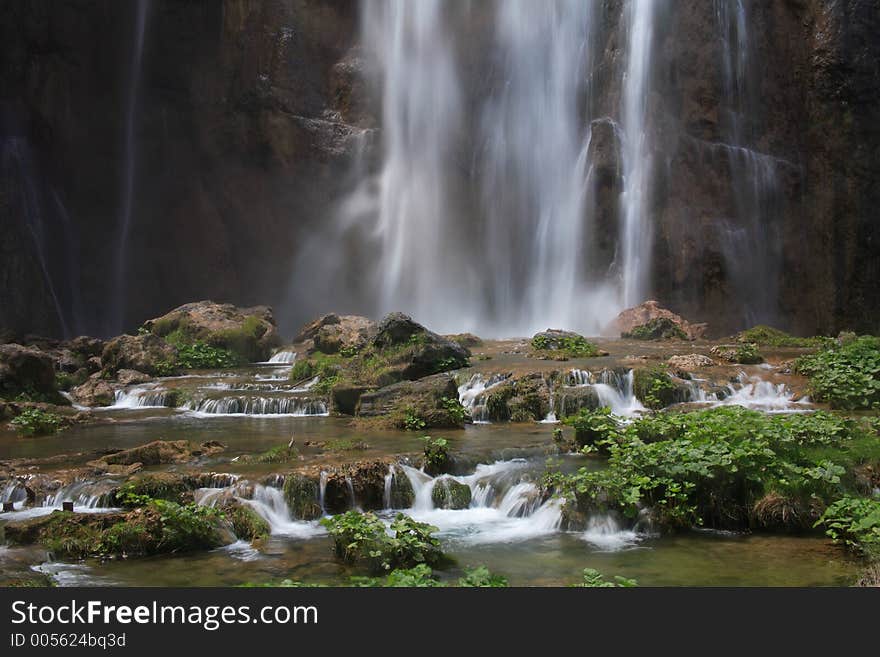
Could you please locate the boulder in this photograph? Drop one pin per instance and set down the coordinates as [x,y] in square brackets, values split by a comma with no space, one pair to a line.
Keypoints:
[425,399]
[248,332]
[334,333]
[450,494]
[659,328]
[132,377]
[145,353]
[415,351]
[523,399]
[569,400]
[96,391]
[26,370]
[743,354]
[302,495]
[85,346]
[642,314]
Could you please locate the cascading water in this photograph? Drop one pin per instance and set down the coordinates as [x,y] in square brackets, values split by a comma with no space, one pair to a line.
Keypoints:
[129,168]
[494,217]
[262,406]
[750,242]
[472,395]
[506,504]
[637,152]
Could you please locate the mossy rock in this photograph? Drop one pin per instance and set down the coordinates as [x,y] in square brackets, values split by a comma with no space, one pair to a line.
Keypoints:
[247,524]
[402,493]
[521,400]
[450,494]
[659,328]
[302,495]
[170,486]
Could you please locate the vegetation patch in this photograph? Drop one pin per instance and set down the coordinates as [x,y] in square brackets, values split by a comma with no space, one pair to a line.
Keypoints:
[854,522]
[37,422]
[361,539]
[593,579]
[767,336]
[436,455]
[654,387]
[564,345]
[847,375]
[716,467]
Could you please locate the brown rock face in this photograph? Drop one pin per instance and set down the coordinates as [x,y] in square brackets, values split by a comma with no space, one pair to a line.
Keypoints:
[630,318]
[145,353]
[27,370]
[333,333]
[94,392]
[160,452]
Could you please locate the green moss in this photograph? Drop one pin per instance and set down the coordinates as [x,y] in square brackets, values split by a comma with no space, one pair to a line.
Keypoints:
[659,328]
[246,523]
[158,485]
[767,336]
[568,346]
[345,445]
[450,494]
[301,494]
[654,387]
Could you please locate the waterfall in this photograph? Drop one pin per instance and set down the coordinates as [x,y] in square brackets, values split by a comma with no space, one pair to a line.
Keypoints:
[129,168]
[421,111]
[282,358]
[262,406]
[637,153]
[472,395]
[506,504]
[535,177]
[750,242]
[145,396]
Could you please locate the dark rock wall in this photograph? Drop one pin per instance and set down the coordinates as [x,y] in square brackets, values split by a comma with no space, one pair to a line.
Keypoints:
[249,111]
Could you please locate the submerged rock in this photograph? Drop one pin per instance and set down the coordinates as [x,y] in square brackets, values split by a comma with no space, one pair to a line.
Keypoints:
[250,333]
[642,314]
[450,494]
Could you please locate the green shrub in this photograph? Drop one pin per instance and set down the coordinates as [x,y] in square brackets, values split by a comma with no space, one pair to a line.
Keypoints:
[412,422]
[711,467]
[481,577]
[846,376]
[654,387]
[748,354]
[361,538]
[593,579]
[37,422]
[855,522]
[436,455]
[566,346]
[594,426]
[201,356]
[458,414]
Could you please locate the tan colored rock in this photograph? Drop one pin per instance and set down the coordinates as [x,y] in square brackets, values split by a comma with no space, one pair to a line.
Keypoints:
[159,452]
[630,318]
[96,391]
[332,333]
[690,362]
[131,377]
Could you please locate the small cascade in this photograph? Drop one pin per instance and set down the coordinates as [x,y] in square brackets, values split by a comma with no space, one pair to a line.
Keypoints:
[386,494]
[85,495]
[282,358]
[750,392]
[578,378]
[267,501]
[550,418]
[322,491]
[145,396]
[616,392]
[352,501]
[506,503]
[605,532]
[13,491]
[263,406]
[472,395]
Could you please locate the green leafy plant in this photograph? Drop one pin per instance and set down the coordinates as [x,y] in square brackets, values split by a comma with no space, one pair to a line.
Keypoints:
[37,422]
[713,467]
[593,579]
[412,422]
[436,454]
[592,427]
[855,522]
[481,577]
[654,387]
[565,346]
[457,413]
[847,375]
[200,356]
[361,538]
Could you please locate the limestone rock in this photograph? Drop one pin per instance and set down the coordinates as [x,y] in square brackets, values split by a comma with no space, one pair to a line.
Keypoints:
[145,353]
[642,314]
